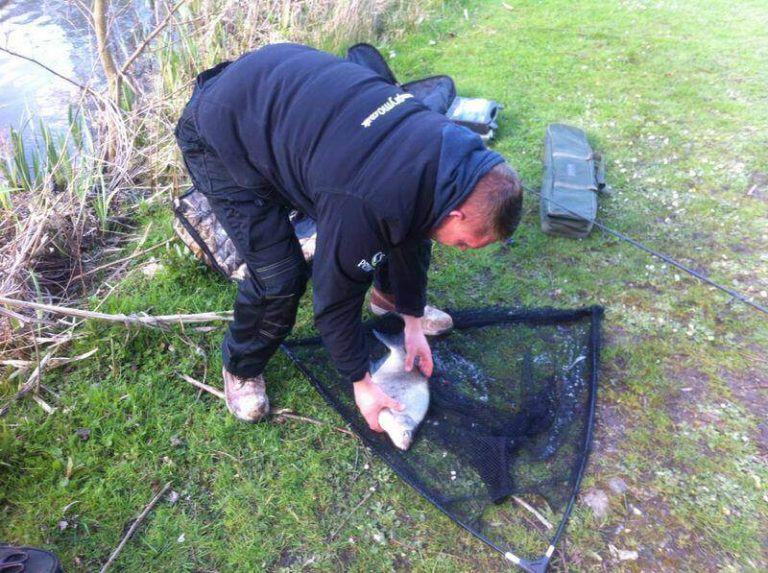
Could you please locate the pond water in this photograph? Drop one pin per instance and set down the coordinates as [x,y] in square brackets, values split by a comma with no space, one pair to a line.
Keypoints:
[57,34]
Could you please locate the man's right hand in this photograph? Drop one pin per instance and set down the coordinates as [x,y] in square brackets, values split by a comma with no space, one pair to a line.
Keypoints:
[371,399]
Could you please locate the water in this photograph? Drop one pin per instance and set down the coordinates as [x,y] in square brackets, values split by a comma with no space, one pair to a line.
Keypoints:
[55,33]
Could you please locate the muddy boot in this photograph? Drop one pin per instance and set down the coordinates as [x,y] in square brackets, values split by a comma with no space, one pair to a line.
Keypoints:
[246,397]
[434,321]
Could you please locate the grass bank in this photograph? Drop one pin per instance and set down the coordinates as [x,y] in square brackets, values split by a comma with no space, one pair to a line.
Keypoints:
[674,95]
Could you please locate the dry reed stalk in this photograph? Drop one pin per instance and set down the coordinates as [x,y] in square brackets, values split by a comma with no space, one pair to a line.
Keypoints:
[47,408]
[53,362]
[29,385]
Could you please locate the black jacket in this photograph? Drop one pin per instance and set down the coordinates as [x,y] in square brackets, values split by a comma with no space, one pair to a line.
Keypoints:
[375,168]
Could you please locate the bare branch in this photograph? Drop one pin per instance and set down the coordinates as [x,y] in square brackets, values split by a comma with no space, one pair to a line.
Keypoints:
[341,525]
[137,52]
[285,413]
[210,389]
[535,513]
[124,259]
[54,72]
[142,319]
[150,506]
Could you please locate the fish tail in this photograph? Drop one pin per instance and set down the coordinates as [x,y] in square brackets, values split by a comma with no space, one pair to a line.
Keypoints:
[395,342]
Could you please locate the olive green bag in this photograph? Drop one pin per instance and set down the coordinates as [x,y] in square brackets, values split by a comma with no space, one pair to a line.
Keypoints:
[573,176]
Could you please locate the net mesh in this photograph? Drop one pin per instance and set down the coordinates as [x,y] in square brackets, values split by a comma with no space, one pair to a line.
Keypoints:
[509,424]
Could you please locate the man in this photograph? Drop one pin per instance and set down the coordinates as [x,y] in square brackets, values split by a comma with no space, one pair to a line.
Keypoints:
[288,127]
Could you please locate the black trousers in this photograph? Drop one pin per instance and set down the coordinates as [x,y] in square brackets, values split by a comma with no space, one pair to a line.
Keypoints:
[256,219]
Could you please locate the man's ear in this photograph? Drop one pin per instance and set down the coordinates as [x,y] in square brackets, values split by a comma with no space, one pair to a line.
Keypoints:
[457,215]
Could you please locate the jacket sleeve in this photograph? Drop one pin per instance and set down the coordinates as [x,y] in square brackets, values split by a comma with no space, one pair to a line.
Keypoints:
[349,246]
[408,264]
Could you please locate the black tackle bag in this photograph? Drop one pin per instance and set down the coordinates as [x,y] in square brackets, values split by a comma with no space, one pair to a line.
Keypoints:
[438,93]
[28,560]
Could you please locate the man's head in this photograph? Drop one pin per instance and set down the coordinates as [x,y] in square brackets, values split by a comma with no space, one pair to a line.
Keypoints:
[490,213]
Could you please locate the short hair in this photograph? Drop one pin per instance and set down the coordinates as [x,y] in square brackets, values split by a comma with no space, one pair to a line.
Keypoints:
[497,201]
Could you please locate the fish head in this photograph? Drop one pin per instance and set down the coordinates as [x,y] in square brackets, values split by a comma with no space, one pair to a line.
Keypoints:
[399,427]
[404,440]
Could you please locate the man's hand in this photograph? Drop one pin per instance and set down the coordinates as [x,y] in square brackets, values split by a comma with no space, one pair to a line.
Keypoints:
[371,400]
[416,346]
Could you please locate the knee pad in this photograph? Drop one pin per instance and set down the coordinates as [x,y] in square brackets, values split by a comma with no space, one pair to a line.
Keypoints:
[283,283]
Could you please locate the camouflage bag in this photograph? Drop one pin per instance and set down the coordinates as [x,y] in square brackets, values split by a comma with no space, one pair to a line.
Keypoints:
[199,229]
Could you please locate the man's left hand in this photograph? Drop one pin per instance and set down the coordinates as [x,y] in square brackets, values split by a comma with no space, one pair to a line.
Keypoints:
[416,346]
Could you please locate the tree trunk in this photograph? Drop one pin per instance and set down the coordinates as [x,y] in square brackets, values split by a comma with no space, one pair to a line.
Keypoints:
[110,71]
[102,39]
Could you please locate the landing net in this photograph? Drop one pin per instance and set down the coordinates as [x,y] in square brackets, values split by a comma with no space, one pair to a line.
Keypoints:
[506,438]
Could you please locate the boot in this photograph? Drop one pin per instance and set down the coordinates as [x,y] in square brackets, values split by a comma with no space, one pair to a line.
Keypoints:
[433,322]
[246,397]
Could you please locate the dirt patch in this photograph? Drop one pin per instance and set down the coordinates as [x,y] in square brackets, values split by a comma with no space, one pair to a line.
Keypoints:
[750,389]
[675,550]
[757,186]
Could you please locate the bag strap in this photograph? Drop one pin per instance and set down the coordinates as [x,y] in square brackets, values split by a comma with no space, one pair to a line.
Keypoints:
[369,57]
[602,187]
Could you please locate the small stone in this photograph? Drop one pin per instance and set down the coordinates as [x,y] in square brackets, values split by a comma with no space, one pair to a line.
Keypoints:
[173,497]
[63,524]
[636,511]
[597,501]
[151,269]
[623,554]
[176,441]
[617,485]
[595,556]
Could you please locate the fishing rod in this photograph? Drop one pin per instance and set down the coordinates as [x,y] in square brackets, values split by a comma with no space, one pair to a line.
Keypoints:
[666,258]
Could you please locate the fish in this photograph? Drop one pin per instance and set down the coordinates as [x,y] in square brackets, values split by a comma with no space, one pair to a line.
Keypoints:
[410,389]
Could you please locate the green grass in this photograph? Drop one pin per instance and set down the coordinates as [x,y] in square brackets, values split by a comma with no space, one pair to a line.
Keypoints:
[674,95]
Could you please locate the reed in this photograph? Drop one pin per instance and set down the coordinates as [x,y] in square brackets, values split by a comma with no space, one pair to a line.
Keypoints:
[64,192]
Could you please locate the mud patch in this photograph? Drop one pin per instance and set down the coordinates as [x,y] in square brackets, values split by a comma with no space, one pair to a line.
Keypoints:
[610,430]
[650,526]
[691,387]
[287,558]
